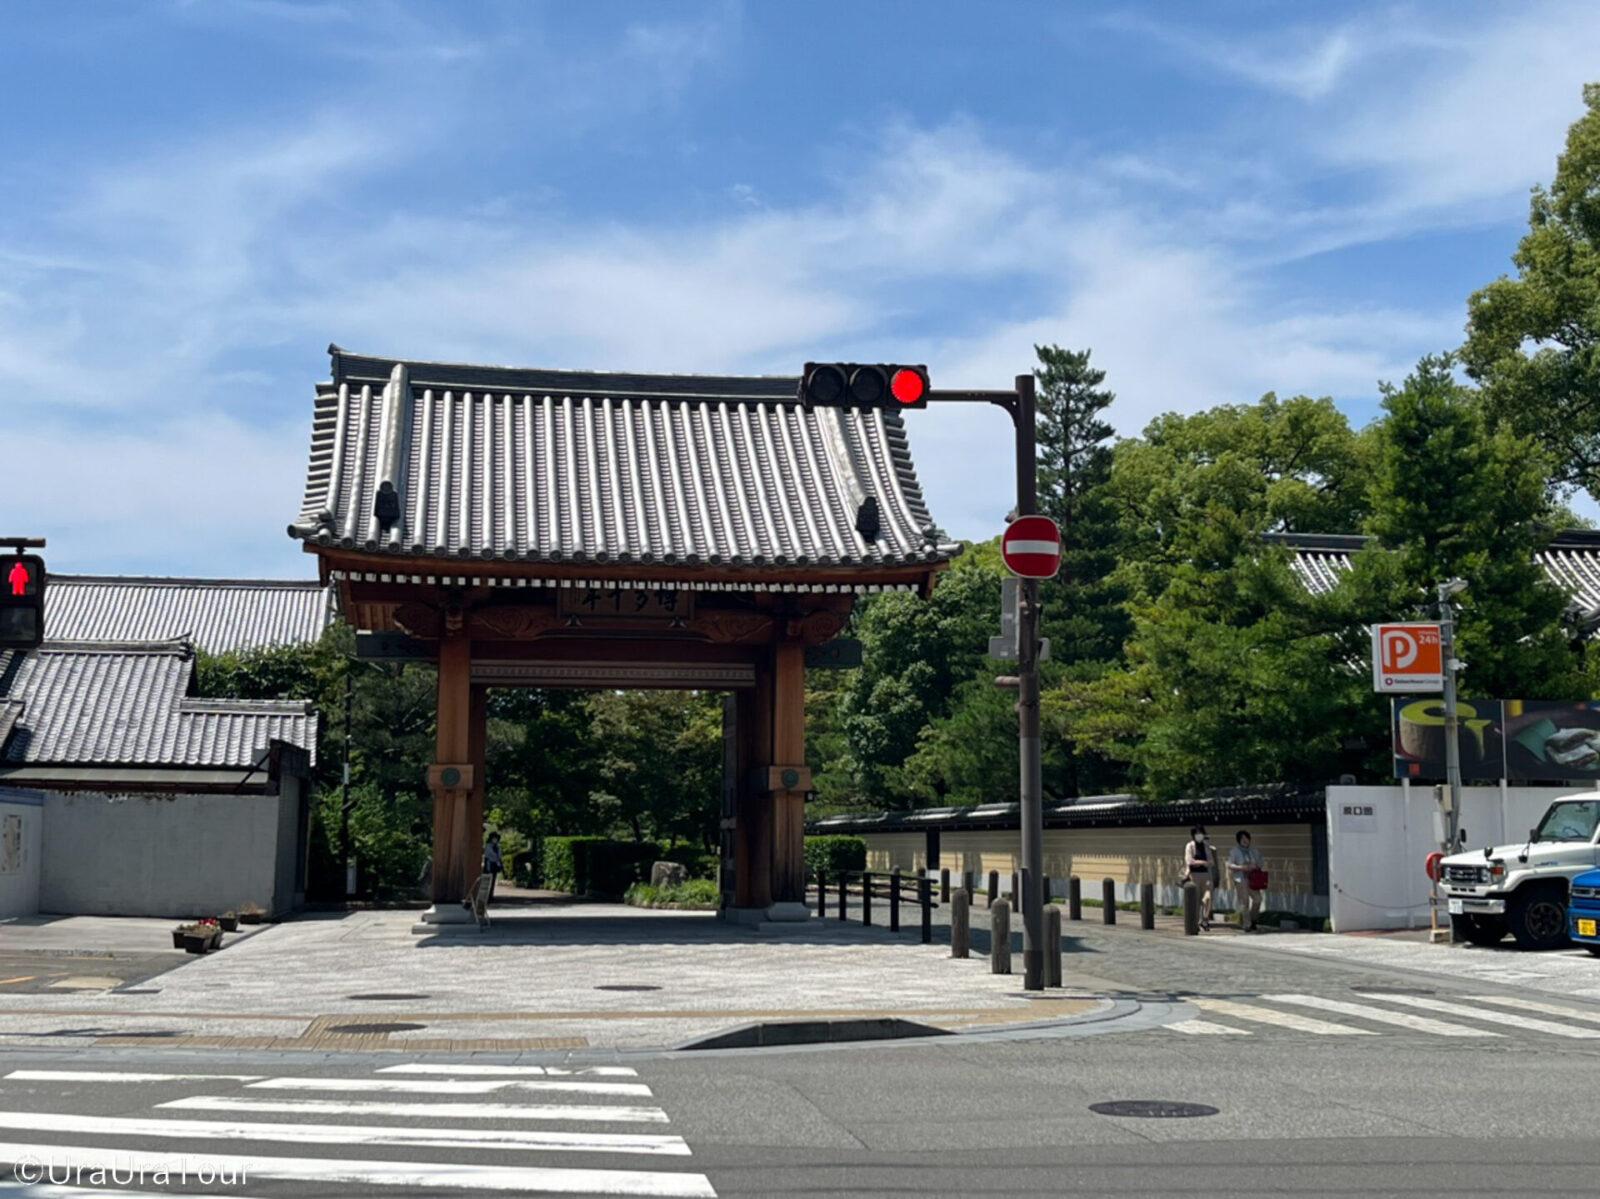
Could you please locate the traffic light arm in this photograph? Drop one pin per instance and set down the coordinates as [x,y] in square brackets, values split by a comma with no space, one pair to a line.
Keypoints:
[1004,399]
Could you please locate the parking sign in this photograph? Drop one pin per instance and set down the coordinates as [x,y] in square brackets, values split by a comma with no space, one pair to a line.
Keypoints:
[1406,657]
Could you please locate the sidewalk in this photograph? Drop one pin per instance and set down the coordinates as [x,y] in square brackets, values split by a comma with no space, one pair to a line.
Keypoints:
[547,976]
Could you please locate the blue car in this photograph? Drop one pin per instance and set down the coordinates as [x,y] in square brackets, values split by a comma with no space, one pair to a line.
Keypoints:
[1583,911]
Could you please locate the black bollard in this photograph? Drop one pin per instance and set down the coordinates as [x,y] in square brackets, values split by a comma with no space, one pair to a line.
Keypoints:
[994,887]
[894,900]
[822,894]
[1074,898]
[1052,946]
[1191,910]
[925,899]
[1108,897]
[1044,889]
[944,885]
[961,923]
[1147,906]
[1000,937]
[866,897]
[844,893]
[969,884]
[1016,891]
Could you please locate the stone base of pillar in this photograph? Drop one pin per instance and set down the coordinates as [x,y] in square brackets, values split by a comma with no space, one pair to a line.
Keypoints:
[743,915]
[446,917]
[788,913]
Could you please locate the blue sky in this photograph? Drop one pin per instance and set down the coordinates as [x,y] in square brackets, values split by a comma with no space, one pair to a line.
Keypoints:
[1219,200]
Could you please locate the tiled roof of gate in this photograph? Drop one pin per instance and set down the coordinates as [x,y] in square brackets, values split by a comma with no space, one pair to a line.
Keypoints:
[1571,562]
[107,702]
[218,615]
[567,466]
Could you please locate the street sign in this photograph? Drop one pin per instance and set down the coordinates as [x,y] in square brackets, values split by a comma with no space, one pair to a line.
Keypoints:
[1407,657]
[1031,547]
[1004,647]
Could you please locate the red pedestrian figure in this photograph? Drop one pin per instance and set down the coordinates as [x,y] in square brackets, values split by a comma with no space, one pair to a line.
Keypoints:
[18,578]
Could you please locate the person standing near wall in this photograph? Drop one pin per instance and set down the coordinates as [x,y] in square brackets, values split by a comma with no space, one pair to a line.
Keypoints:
[1200,868]
[1243,862]
[493,864]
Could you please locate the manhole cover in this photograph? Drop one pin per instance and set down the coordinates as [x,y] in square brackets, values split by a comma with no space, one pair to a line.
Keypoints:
[392,1027]
[1152,1109]
[377,995]
[627,987]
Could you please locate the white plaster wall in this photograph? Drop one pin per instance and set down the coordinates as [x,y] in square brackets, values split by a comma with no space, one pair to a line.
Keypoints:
[160,855]
[1375,863]
[21,827]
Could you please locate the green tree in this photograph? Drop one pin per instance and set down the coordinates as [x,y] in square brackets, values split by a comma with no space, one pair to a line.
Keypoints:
[1451,498]
[1533,342]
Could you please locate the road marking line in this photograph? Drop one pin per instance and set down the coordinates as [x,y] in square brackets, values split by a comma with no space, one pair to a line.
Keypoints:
[1262,1015]
[126,1076]
[1439,1028]
[338,1134]
[45,1190]
[1533,1005]
[1204,1028]
[21,978]
[552,1071]
[460,1111]
[1472,1013]
[429,1086]
[427,1176]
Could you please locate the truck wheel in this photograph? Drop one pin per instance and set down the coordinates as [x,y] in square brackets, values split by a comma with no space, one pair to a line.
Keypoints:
[1539,919]
[1478,930]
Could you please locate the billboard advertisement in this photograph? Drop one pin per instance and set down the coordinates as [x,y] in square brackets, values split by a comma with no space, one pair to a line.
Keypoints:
[1520,740]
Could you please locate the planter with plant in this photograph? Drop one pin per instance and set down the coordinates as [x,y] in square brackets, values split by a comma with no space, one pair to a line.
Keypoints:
[252,914]
[228,921]
[200,937]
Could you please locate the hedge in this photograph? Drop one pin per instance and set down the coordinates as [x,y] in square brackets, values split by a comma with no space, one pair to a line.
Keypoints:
[595,865]
[835,853]
[694,859]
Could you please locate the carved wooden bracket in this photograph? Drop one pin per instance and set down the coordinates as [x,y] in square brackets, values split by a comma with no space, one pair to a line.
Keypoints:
[519,623]
[420,620]
[733,628]
[815,627]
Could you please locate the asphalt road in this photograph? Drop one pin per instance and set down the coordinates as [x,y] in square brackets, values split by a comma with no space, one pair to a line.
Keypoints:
[1330,1076]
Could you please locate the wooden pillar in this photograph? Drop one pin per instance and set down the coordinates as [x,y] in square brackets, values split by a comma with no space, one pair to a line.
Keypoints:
[753,820]
[790,780]
[450,778]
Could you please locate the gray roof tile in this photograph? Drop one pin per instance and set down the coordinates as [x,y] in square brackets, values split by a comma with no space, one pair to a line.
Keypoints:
[101,702]
[565,466]
[218,615]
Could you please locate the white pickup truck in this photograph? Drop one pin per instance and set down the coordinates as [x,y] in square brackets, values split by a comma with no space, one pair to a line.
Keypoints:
[1522,889]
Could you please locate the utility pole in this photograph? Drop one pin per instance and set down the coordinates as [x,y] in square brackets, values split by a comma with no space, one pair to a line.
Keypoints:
[1452,720]
[344,789]
[1031,765]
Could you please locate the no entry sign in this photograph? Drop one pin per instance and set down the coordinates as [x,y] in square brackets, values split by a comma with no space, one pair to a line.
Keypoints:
[1031,547]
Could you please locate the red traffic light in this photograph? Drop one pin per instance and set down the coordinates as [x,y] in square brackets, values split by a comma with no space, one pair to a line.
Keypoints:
[908,386]
[22,583]
[21,579]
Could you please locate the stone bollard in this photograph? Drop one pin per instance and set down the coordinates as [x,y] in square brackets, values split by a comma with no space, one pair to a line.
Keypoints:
[961,923]
[1052,946]
[925,902]
[1074,898]
[1016,891]
[894,900]
[1000,937]
[1147,906]
[1191,910]
[944,885]
[994,886]
[822,894]
[1108,898]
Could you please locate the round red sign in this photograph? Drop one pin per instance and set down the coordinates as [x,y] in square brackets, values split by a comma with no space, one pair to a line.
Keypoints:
[1031,547]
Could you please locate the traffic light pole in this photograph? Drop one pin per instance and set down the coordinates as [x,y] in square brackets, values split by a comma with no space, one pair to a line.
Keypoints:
[1021,405]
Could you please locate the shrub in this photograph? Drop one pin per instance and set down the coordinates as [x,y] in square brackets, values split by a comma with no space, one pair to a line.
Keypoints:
[698,894]
[835,854]
[595,865]
[699,863]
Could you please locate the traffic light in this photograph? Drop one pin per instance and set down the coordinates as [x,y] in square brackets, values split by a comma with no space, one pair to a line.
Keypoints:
[863,385]
[21,601]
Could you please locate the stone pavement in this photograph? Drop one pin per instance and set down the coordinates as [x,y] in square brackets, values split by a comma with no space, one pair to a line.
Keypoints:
[544,977]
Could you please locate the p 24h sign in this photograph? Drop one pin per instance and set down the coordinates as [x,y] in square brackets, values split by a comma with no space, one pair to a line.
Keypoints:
[1407,657]
[1031,547]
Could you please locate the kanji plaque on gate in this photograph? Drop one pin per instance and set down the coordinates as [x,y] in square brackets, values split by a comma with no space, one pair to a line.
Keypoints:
[632,603]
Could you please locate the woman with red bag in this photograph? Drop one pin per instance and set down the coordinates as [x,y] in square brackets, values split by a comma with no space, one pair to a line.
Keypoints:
[1249,871]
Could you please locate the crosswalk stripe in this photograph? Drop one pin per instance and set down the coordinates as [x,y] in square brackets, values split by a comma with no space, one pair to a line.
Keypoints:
[1491,1017]
[1205,1028]
[450,1086]
[424,1175]
[1439,1028]
[596,1113]
[550,1071]
[1533,1005]
[1262,1015]
[121,1076]
[335,1134]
